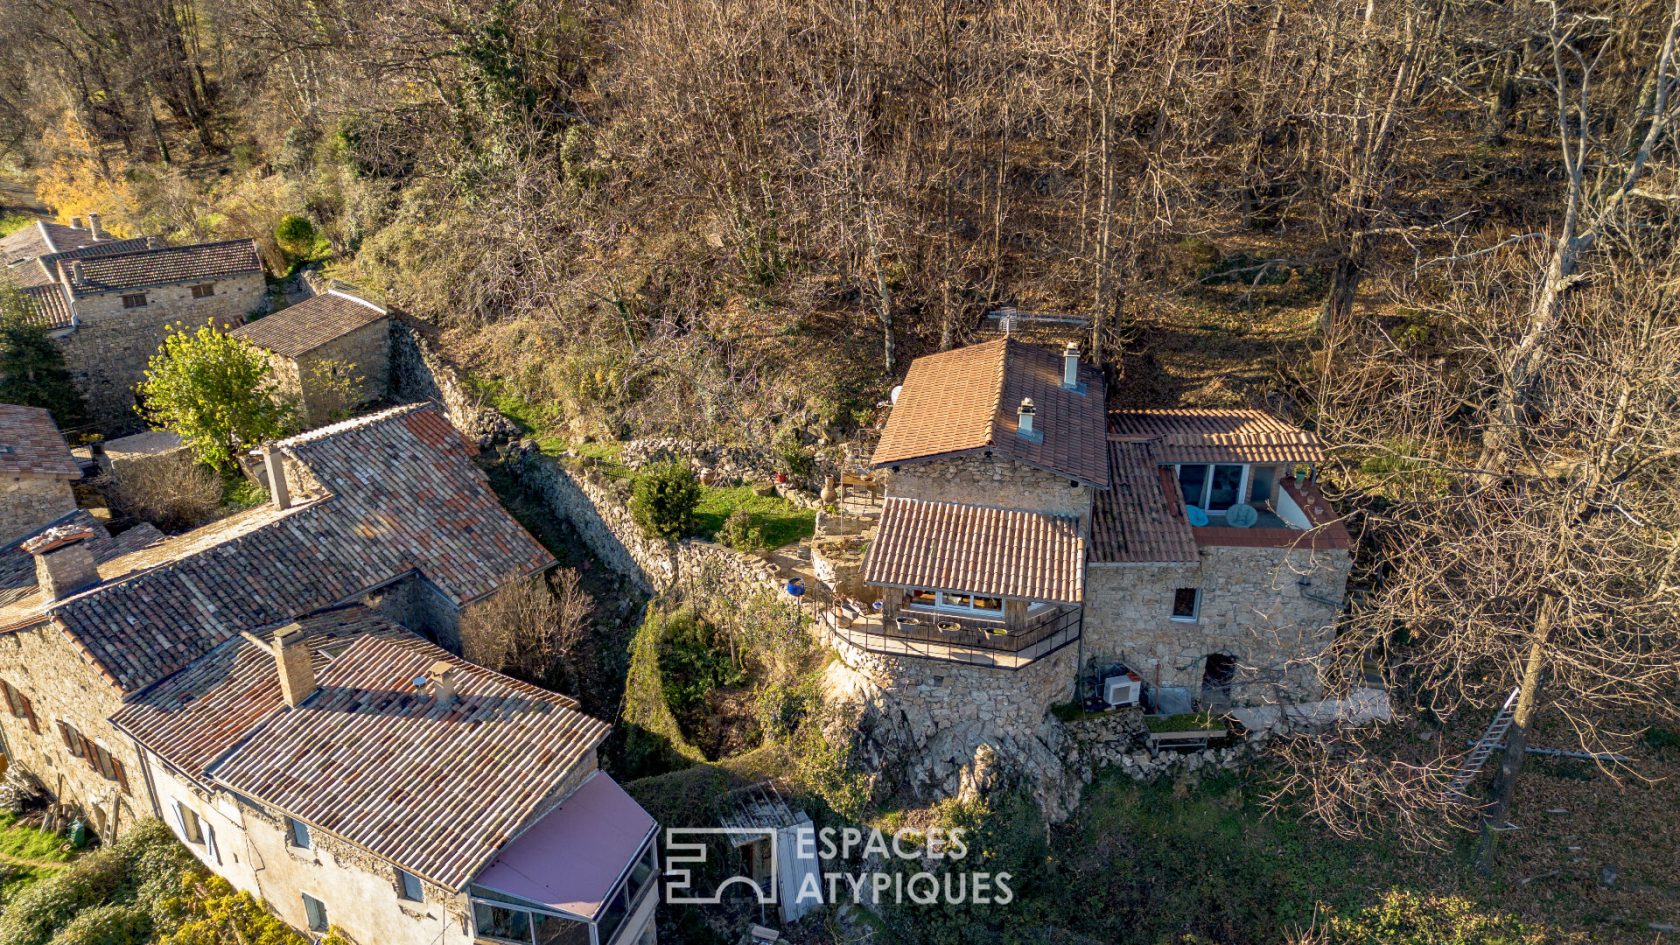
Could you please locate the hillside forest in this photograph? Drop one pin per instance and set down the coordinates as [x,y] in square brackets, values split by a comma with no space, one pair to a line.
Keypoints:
[1441,233]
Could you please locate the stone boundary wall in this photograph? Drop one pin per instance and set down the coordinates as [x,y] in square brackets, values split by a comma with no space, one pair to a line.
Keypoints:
[418,373]
[602,519]
[593,506]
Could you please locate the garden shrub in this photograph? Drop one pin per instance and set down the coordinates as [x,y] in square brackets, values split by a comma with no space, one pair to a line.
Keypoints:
[297,237]
[692,663]
[43,909]
[173,493]
[663,499]
[115,924]
[218,914]
[739,532]
[1404,917]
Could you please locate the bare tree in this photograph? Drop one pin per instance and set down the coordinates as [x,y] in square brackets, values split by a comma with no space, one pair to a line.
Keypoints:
[1556,579]
[1602,173]
[531,628]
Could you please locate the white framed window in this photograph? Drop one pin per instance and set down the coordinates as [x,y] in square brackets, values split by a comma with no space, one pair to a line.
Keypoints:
[315,912]
[408,886]
[297,834]
[192,829]
[954,602]
[1187,604]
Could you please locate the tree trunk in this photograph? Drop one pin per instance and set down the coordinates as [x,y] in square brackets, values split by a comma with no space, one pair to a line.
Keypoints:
[1516,742]
[1508,93]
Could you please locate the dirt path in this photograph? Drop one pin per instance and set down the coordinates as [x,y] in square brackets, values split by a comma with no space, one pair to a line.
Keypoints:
[18,195]
[32,864]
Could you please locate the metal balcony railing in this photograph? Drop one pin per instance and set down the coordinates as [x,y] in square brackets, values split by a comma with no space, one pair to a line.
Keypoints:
[973,641]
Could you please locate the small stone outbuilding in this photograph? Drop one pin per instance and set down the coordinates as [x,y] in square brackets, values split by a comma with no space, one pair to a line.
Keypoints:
[36,471]
[331,353]
[109,303]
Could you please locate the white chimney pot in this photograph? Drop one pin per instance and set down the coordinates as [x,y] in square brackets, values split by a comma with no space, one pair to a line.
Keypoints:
[1070,366]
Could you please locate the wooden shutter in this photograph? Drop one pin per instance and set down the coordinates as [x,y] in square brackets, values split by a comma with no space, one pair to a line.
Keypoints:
[121,775]
[29,713]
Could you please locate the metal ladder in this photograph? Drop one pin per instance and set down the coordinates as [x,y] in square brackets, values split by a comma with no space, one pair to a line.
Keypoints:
[1491,741]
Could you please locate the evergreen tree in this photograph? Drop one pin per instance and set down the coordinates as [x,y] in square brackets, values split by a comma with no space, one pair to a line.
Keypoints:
[32,371]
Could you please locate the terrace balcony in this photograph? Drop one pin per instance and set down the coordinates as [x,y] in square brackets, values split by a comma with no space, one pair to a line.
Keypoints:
[975,641]
[1300,518]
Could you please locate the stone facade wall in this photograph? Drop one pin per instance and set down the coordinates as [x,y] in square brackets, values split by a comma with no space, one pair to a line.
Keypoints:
[41,663]
[231,857]
[28,502]
[982,480]
[1253,608]
[364,353]
[418,605]
[108,351]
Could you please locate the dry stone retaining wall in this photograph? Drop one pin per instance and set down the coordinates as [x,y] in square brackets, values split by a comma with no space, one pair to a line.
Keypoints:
[418,373]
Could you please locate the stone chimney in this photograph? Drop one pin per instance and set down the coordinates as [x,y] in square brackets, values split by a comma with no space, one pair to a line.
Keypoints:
[75,223]
[1025,419]
[1070,367]
[291,660]
[442,678]
[75,271]
[274,462]
[64,563]
[93,227]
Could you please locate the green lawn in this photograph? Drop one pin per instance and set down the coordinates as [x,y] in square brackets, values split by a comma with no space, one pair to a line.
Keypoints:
[25,843]
[782,521]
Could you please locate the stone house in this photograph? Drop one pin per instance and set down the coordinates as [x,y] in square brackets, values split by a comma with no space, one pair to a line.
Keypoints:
[109,302]
[1030,537]
[36,471]
[331,353]
[232,680]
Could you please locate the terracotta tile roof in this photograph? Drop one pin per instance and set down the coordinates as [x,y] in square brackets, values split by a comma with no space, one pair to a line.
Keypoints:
[400,495]
[32,447]
[153,267]
[195,716]
[40,238]
[52,306]
[30,274]
[436,788]
[967,401]
[17,567]
[1141,517]
[301,328]
[1194,435]
[977,550]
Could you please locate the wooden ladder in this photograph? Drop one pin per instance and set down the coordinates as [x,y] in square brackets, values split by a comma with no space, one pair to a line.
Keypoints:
[1491,741]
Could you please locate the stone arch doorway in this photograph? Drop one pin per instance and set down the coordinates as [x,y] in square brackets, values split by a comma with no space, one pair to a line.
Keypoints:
[1218,673]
